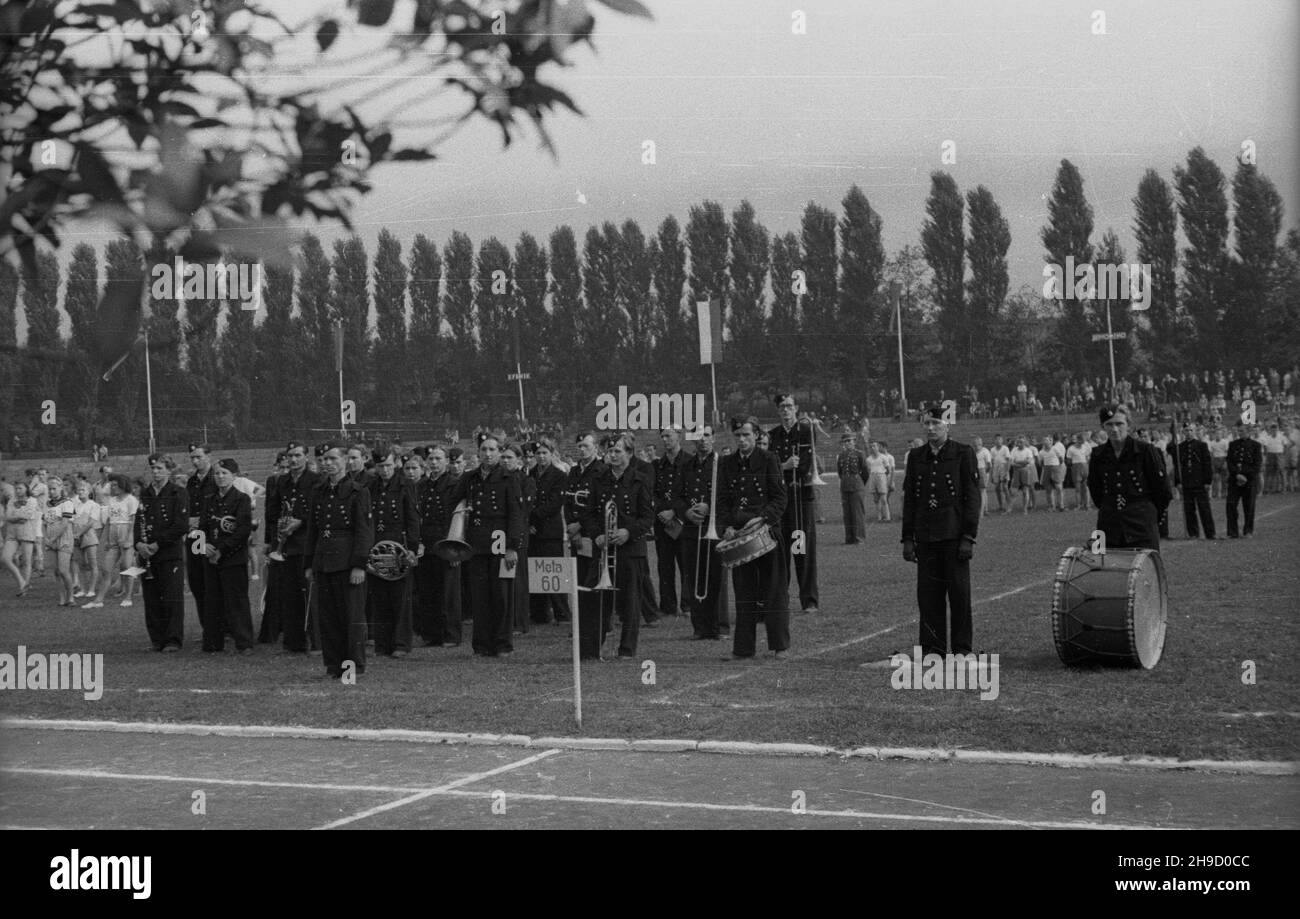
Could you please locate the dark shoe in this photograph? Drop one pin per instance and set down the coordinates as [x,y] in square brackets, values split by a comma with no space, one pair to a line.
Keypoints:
[811,609]
[432,644]
[170,649]
[451,644]
[737,657]
[650,624]
[778,655]
[245,652]
[400,653]
[623,656]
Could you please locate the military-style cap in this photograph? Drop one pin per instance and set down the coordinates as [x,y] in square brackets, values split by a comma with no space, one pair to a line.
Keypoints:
[935,412]
[229,463]
[1110,411]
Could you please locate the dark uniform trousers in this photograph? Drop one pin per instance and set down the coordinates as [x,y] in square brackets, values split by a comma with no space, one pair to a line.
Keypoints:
[342,621]
[805,563]
[493,616]
[667,563]
[1197,500]
[389,611]
[595,616]
[225,606]
[164,603]
[704,613]
[943,581]
[438,599]
[592,627]
[762,592]
[289,588]
[1246,495]
[854,506]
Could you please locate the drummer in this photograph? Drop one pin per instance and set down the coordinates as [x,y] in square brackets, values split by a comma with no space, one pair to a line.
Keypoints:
[752,496]
[1128,485]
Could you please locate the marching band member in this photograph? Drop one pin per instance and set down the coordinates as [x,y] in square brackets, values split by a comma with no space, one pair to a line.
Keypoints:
[340,533]
[750,487]
[630,490]
[668,559]
[649,604]
[941,515]
[517,599]
[160,527]
[438,597]
[693,501]
[545,524]
[577,500]
[392,508]
[286,517]
[852,468]
[226,521]
[1128,485]
[271,627]
[792,445]
[494,508]
[200,486]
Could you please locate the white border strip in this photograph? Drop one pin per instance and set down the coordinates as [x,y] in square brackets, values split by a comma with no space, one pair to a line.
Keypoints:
[617,744]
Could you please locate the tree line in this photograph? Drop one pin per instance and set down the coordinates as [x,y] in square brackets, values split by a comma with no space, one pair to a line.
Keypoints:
[432,332]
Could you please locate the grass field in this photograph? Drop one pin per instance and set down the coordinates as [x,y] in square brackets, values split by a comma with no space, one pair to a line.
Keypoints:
[1231,602]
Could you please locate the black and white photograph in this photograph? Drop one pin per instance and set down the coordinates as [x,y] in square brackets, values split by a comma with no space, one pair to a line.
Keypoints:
[650,415]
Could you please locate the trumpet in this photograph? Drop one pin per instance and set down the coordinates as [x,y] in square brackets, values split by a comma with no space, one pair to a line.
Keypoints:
[281,531]
[712,536]
[609,551]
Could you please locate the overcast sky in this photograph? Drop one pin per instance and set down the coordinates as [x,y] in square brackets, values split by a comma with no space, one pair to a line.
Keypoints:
[739,107]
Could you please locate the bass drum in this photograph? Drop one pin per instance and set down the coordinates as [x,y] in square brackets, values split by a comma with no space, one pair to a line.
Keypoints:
[1110,609]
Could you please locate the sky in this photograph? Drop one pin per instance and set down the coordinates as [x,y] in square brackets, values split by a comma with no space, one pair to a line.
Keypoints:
[740,105]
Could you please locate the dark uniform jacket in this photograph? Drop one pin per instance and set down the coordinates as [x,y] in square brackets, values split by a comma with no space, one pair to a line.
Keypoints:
[631,494]
[941,494]
[1245,457]
[227,522]
[795,442]
[291,499]
[852,469]
[544,518]
[340,530]
[748,487]
[527,499]
[163,518]
[1192,466]
[578,488]
[668,473]
[494,504]
[693,486]
[199,489]
[1124,488]
[435,507]
[392,507]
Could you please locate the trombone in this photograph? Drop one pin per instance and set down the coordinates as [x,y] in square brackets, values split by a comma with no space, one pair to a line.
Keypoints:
[608,552]
[711,535]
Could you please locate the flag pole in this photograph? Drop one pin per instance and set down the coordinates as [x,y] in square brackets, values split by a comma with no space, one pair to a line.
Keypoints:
[573,618]
[338,360]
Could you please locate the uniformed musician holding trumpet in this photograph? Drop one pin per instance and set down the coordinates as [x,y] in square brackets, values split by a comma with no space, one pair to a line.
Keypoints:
[694,504]
[618,520]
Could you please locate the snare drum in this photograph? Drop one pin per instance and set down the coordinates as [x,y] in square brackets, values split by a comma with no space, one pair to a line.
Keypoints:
[745,546]
[1110,609]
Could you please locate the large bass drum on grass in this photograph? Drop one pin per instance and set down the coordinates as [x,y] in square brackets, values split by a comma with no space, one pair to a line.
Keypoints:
[1110,609]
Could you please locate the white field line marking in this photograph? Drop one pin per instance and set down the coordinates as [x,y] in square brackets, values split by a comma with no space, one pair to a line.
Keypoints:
[205,780]
[452,789]
[635,745]
[441,789]
[768,809]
